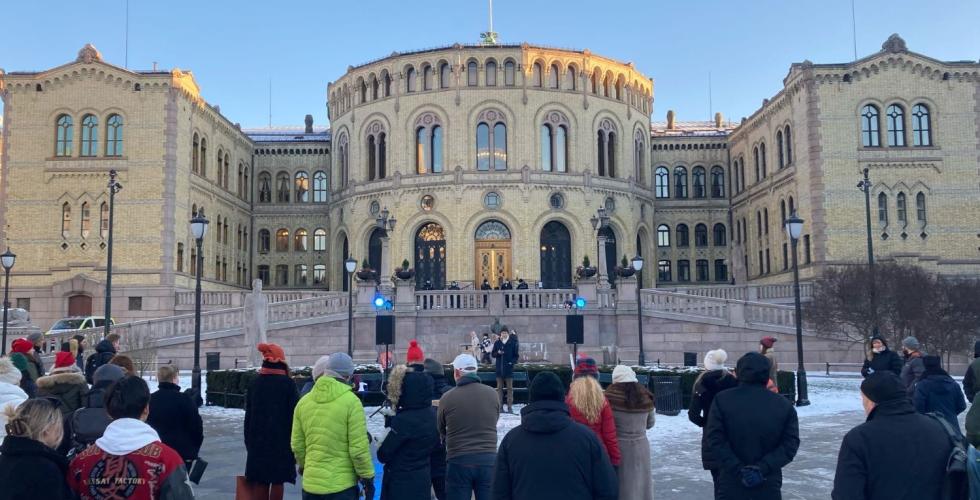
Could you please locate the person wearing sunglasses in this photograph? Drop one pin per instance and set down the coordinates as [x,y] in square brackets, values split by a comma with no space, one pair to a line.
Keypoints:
[30,467]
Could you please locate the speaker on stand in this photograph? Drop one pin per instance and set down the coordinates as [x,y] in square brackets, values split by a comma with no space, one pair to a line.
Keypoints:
[574,334]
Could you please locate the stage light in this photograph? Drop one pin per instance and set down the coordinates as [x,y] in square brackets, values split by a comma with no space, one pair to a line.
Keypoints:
[579,303]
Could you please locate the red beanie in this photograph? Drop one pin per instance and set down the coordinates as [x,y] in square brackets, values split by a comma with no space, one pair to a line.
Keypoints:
[415,354]
[586,367]
[767,342]
[63,359]
[22,346]
[272,353]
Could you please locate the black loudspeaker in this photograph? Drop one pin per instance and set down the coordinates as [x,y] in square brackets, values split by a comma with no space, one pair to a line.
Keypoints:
[690,359]
[574,331]
[384,330]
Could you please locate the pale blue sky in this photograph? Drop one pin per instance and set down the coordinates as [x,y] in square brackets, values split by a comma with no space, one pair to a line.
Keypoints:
[234,47]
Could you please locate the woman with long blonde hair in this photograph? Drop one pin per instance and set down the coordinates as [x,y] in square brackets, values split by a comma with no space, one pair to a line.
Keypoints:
[588,406]
[30,467]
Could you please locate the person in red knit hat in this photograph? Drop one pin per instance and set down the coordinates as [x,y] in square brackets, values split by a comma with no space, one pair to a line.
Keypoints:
[66,384]
[22,356]
[415,355]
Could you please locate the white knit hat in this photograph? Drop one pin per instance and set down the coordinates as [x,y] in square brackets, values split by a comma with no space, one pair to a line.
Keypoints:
[623,374]
[715,360]
[8,372]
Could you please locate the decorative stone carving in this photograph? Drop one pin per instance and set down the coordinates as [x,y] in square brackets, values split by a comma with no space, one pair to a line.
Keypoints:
[256,322]
[89,54]
[894,44]
[17,318]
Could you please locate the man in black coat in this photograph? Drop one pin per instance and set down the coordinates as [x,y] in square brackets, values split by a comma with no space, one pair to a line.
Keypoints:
[506,352]
[105,350]
[897,453]
[549,456]
[406,449]
[174,416]
[752,433]
[881,359]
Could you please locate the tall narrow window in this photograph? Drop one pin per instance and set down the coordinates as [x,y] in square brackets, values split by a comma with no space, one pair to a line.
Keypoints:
[500,147]
[701,267]
[195,159]
[758,166]
[896,125]
[204,158]
[364,92]
[536,71]
[698,182]
[921,126]
[180,257]
[343,159]
[782,212]
[717,182]
[680,182]
[375,86]
[663,271]
[104,220]
[509,71]
[553,76]
[700,235]
[65,220]
[63,136]
[472,76]
[410,83]
[606,149]
[883,208]
[491,73]
[282,240]
[900,208]
[720,234]
[114,136]
[684,270]
[683,236]
[491,142]
[264,237]
[86,220]
[787,136]
[436,149]
[561,149]
[320,240]
[90,135]
[387,84]
[663,235]
[265,188]
[427,77]
[282,194]
[300,240]
[319,274]
[319,186]
[601,148]
[639,147]
[721,270]
[302,187]
[920,207]
[570,78]
[762,158]
[372,159]
[301,275]
[662,182]
[445,75]
[421,164]
[779,149]
[428,144]
[870,126]
[546,141]
[765,219]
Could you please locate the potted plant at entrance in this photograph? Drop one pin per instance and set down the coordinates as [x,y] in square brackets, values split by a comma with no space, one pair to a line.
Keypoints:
[585,270]
[365,273]
[404,272]
[625,270]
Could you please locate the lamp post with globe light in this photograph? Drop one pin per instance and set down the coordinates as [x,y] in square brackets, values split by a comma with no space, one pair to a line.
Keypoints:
[199,228]
[349,265]
[638,266]
[7,260]
[794,227]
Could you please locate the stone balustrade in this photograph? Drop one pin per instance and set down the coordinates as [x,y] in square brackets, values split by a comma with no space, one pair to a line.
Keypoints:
[782,292]
[223,300]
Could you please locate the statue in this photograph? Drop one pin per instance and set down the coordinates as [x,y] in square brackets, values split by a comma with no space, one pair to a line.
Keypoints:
[17,317]
[256,322]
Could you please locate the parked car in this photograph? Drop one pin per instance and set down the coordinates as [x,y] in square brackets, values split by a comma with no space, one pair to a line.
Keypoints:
[74,323]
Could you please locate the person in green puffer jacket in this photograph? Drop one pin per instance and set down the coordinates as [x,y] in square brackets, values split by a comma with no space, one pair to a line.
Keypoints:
[330,439]
[22,356]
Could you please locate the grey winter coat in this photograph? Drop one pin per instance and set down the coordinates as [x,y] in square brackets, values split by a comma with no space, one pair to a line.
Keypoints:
[635,474]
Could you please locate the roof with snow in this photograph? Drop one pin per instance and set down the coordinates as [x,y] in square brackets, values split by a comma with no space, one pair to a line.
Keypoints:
[691,128]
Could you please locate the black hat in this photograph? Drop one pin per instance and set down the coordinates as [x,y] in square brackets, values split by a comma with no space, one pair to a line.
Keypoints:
[883,386]
[753,368]
[546,386]
[931,362]
[879,338]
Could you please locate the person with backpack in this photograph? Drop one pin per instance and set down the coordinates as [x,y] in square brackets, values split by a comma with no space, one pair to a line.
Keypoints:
[937,392]
[105,350]
[896,453]
[913,368]
[89,422]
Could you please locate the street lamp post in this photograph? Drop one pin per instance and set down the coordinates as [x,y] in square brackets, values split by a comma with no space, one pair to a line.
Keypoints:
[386,222]
[7,260]
[865,185]
[638,266]
[794,226]
[599,221]
[114,187]
[199,227]
[350,264]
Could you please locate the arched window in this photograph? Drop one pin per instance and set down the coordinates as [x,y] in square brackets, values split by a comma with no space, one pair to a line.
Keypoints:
[364,92]
[663,235]
[445,75]
[762,158]
[264,241]
[491,141]
[720,235]
[282,187]
[343,159]
[472,76]
[375,86]
[536,71]
[302,180]
[595,81]
[114,136]
[788,138]
[782,212]
[86,220]
[607,85]
[700,235]
[570,78]
[195,152]
[546,153]
[553,76]
[65,220]
[376,151]
[755,159]
[387,84]
[319,274]
[554,143]
[920,207]
[779,149]
[509,71]
[870,126]
[901,208]
[792,205]
[319,186]
[180,257]
[299,240]
[104,220]
[63,136]
[619,90]
[683,236]
[491,73]
[606,148]
[896,125]
[428,144]
[717,182]
[699,182]
[883,208]
[204,158]
[265,188]
[639,158]
[410,83]
[320,240]
[680,182]
[921,126]
[90,135]
[662,182]
[282,240]
[427,77]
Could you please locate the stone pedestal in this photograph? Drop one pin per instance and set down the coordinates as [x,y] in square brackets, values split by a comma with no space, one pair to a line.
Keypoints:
[586,288]
[603,268]
[364,296]
[405,297]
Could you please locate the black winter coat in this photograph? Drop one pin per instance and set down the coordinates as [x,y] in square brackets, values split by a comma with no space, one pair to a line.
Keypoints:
[749,425]
[939,393]
[897,454]
[887,360]
[88,423]
[29,469]
[104,352]
[269,405]
[507,356]
[437,465]
[407,450]
[440,385]
[551,457]
[705,390]
[174,416]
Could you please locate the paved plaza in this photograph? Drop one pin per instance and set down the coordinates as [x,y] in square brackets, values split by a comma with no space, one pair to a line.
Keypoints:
[675,444]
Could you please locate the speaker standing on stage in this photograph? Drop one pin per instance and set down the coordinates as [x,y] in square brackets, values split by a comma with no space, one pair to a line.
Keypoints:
[505,351]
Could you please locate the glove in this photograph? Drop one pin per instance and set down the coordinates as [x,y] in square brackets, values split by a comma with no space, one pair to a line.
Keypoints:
[367,488]
[751,476]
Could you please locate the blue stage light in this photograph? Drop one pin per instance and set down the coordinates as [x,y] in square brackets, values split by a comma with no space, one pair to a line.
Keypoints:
[579,303]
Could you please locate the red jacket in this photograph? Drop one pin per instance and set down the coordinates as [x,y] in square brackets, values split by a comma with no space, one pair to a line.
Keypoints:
[605,429]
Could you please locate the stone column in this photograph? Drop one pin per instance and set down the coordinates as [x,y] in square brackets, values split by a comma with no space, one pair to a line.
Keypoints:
[364,300]
[586,288]
[404,297]
[385,272]
[603,271]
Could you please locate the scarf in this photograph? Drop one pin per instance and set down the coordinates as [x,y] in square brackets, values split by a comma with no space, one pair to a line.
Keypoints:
[630,397]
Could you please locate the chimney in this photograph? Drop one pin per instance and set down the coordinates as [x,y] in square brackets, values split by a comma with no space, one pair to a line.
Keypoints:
[670,119]
[718,120]
[309,124]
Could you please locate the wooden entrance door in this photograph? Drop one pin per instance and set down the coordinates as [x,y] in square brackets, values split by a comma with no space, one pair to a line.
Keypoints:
[493,262]
[79,305]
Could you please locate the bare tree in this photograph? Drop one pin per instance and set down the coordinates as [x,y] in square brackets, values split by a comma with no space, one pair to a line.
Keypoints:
[139,345]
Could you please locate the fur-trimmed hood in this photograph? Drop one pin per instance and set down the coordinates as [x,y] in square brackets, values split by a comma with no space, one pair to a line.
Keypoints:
[395,380]
[66,377]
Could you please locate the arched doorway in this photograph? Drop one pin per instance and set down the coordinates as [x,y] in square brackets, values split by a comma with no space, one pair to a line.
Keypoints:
[374,252]
[612,254]
[345,252]
[430,256]
[79,305]
[556,256]
[493,253]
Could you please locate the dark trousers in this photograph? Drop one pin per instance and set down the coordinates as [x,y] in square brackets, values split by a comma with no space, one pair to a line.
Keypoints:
[439,487]
[348,494]
[714,479]
[486,358]
[470,476]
